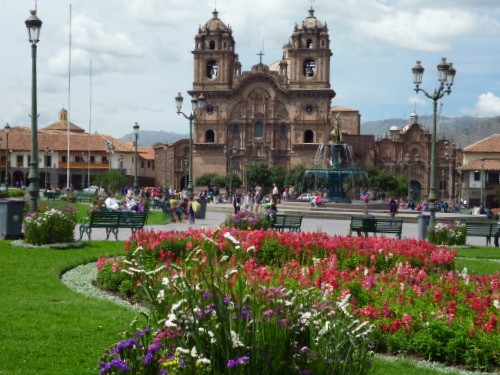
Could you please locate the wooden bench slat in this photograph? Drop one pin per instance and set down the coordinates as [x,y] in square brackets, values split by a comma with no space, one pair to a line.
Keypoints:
[281,222]
[376,225]
[481,229]
[112,221]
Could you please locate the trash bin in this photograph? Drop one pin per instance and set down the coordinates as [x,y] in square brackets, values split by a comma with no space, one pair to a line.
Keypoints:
[11,218]
[203,208]
[423,225]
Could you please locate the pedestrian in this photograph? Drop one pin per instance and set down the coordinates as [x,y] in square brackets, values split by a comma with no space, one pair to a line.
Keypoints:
[191,210]
[237,200]
[393,208]
[258,199]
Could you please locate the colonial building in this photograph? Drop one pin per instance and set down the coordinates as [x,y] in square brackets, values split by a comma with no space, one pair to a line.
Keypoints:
[407,151]
[277,114]
[87,155]
[481,173]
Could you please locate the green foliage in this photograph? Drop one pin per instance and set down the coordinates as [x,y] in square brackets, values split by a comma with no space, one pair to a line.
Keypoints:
[448,234]
[273,253]
[258,175]
[209,180]
[293,177]
[112,180]
[384,180]
[12,193]
[51,226]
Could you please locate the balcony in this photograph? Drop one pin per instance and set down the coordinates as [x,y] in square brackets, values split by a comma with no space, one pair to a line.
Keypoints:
[78,165]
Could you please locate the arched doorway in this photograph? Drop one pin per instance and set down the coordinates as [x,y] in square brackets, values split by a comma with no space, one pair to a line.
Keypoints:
[416,190]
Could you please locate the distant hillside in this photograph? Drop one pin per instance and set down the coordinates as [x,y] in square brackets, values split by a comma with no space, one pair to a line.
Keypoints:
[463,130]
[152,137]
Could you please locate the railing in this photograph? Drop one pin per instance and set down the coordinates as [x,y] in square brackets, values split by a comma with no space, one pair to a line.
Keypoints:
[78,165]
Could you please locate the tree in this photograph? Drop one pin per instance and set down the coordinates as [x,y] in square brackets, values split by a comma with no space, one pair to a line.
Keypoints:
[294,177]
[258,175]
[112,180]
[207,179]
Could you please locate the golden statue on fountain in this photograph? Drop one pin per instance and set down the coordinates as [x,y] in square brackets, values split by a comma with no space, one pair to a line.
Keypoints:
[336,133]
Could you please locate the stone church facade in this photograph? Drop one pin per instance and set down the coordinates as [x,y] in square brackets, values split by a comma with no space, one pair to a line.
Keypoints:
[275,114]
[279,114]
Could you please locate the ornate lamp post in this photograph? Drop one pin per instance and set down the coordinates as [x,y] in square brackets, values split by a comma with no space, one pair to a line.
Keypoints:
[7,176]
[446,74]
[197,105]
[83,166]
[120,159]
[231,156]
[482,179]
[111,149]
[34,25]
[165,151]
[246,175]
[45,164]
[410,163]
[136,181]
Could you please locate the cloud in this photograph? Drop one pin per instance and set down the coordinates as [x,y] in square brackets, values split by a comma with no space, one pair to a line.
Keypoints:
[430,30]
[488,105]
[418,101]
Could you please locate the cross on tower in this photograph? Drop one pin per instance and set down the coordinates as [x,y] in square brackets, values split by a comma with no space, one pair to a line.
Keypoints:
[260,54]
[312,3]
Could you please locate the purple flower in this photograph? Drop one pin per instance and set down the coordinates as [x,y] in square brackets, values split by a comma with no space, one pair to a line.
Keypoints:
[206,295]
[237,362]
[115,363]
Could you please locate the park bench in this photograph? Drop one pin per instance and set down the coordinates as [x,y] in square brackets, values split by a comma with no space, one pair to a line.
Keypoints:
[52,195]
[290,222]
[376,225]
[84,197]
[483,229]
[112,221]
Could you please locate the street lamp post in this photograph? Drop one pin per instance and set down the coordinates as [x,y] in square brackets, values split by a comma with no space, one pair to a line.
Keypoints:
[136,180]
[446,75]
[482,180]
[7,176]
[165,153]
[231,156]
[443,185]
[83,166]
[410,163]
[34,25]
[121,163]
[45,156]
[246,175]
[111,149]
[197,105]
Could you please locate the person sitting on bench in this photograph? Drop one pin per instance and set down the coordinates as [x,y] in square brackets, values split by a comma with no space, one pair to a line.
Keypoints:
[366,215]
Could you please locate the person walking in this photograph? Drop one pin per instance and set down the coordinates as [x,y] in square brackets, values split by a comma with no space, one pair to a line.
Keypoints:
[237,200]
[191,212]
[393,209]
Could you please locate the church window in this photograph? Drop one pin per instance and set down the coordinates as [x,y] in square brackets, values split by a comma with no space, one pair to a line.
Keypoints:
[212,69]
[309,68]
[308,136]
[309,43]
[258,130]
[209,136]
[309,108]
[210,109]
[283,130]
[211,45]
[236,129]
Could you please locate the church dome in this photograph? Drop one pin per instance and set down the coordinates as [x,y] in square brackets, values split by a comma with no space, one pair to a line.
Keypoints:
[215,24]
[310,22]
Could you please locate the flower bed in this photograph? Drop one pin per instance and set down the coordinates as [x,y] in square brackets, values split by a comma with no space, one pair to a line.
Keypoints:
[236,301]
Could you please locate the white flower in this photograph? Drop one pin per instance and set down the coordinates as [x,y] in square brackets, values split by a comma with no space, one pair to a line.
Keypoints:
[180,350]
[496,303]
[175,306]
[236,340]
[165,281]
[230,237]
[161,295]
[203,361]
[194,352]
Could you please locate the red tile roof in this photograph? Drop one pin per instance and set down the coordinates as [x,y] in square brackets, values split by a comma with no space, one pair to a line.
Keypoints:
[489,165]
[489,145]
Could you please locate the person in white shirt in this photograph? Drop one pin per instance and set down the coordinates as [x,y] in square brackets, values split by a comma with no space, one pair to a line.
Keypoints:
[131,203]
[111,202]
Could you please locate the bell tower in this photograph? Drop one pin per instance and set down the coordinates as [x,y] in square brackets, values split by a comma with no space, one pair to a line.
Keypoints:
[215,62]
[308,54]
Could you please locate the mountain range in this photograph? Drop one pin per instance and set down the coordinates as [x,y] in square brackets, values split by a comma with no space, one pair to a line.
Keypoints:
[463,131]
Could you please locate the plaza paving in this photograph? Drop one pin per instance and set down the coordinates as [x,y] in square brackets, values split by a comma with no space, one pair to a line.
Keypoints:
[332,220]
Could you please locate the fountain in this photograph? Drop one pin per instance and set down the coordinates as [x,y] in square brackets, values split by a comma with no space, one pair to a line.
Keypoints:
[333,173]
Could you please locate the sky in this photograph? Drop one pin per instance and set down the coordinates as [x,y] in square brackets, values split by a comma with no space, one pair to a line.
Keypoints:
[130,58]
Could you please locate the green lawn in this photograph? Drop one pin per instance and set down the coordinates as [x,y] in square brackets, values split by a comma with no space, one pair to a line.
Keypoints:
[46,328]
